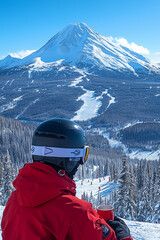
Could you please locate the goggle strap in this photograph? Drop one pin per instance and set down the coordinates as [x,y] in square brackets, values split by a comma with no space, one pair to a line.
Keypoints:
[58,152]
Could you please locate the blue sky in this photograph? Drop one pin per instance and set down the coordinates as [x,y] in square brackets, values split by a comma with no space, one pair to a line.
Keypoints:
[27,25]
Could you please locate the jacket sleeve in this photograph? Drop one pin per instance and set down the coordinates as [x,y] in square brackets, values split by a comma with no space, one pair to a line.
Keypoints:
[87,225]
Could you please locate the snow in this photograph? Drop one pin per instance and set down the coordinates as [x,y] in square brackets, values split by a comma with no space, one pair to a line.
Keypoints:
[76,81]
[9,61]
[92,185]
[148,155]
[39,66]
[111,101]
[90,107]
[112,142]
[131,124]
[133,153]
[19,89]
[11,82]
[139,230]
[78,43]
[62,68]
[11,104]
[1,213]
[5,84]
[91,104]
[29,105]
[144,230]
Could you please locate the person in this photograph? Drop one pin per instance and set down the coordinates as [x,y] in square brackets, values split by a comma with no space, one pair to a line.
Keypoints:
[43,205]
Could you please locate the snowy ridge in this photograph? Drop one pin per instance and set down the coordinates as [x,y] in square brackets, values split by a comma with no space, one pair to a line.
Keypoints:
[77,44]
[9,62]
[134,153]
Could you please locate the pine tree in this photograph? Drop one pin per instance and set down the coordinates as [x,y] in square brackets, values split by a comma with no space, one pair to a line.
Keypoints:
[145,209]
[156,217]
[100,199]
[131,204]
[7,178]
[123,192]
[1,178]
[106,168]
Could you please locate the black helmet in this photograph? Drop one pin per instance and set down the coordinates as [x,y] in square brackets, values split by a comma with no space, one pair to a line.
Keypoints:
[61,142]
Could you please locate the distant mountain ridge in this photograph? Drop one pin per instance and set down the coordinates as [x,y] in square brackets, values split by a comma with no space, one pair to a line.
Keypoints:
[79,45]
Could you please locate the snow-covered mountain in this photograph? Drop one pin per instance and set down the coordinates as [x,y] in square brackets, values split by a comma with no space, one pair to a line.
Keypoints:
[87,69]
[9,62]
[79,45]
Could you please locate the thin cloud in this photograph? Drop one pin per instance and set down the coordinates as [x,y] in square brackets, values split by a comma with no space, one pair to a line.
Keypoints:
[21,54]
[2,57]
[132,46]
[157,53]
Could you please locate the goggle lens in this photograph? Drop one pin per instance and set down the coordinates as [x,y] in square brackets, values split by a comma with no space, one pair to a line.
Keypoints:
[86,149]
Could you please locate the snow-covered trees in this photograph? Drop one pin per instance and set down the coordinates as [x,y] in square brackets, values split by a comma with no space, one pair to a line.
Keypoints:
[132,193]
[156,217]
[16,138]
[138,196]
[125,205]
[145,196]
[123,196]
[6,178]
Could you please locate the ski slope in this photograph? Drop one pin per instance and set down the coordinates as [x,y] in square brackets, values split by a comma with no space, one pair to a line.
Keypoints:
[99,185]
[144,230]
[139,230]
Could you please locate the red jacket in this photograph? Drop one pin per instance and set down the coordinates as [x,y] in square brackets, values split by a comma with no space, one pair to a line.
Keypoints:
[44,207]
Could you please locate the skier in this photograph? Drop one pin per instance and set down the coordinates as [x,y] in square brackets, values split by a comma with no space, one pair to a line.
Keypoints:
[44,205]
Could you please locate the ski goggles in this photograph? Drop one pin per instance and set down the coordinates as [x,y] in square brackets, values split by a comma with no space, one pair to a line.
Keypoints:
[71,153]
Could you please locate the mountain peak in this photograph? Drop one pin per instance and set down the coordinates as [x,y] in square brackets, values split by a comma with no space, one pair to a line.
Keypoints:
[72,33]
[78,45]
[77,27]
[9,61]
[66,44]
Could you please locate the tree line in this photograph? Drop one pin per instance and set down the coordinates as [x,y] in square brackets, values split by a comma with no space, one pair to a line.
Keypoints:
[141,135]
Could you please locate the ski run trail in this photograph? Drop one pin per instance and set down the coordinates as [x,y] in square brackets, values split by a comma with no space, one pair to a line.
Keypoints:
[91,103]
[139,230]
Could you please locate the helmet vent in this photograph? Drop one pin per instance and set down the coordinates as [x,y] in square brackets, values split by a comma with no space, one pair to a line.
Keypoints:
[48,134]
